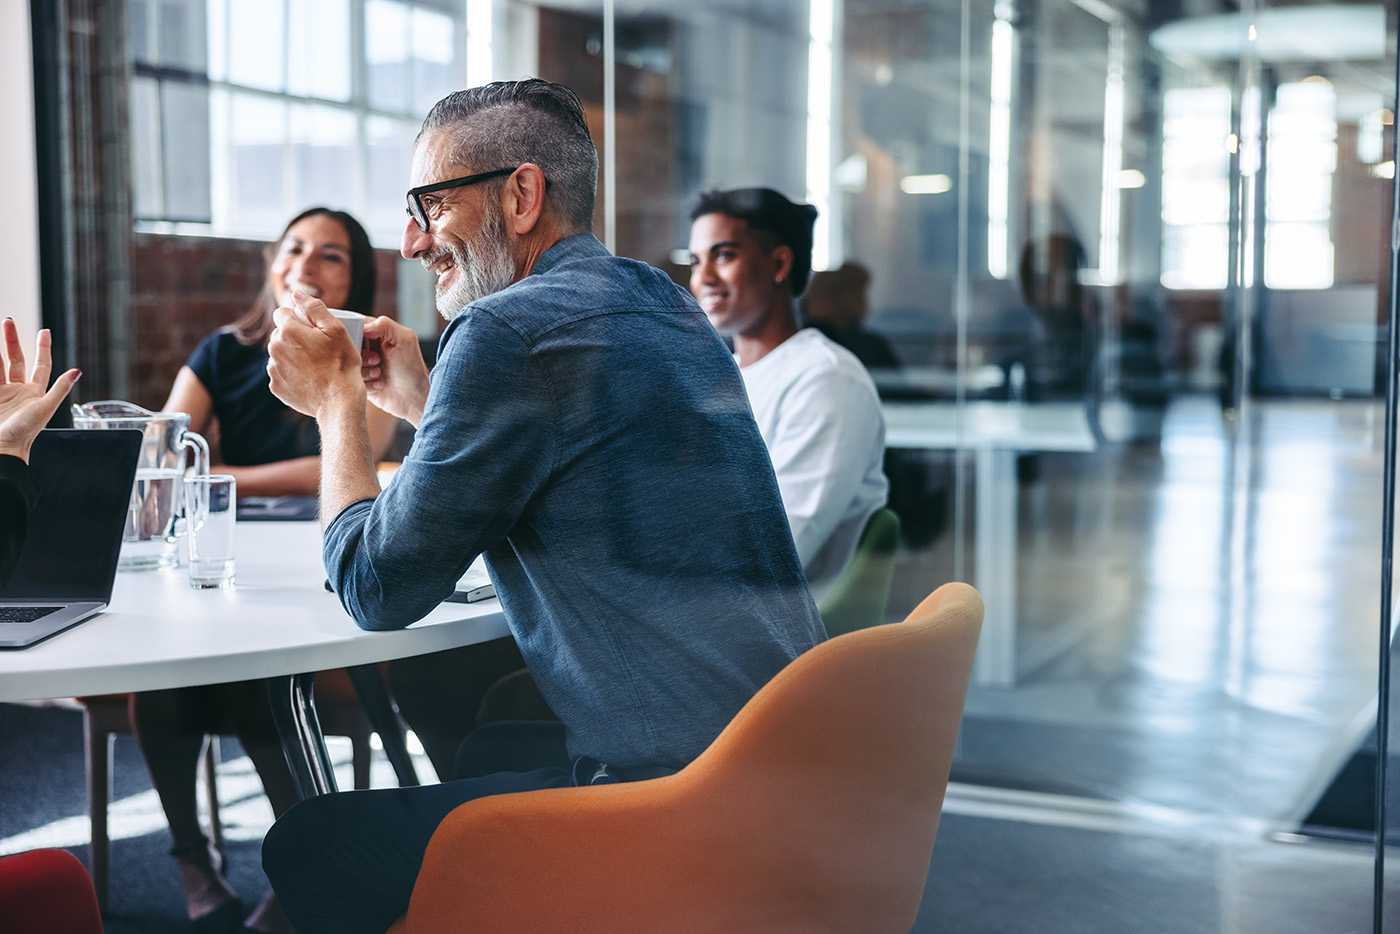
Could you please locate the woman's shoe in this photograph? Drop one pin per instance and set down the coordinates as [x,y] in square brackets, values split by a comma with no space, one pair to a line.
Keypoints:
[209,900]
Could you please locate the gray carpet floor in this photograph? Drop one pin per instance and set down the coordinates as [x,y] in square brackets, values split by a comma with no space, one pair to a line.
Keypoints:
[988,875]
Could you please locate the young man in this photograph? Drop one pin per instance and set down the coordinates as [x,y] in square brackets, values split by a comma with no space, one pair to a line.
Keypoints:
[816,407]
[586,429]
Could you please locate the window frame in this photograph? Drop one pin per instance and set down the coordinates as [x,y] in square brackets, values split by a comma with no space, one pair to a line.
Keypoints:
[357,105]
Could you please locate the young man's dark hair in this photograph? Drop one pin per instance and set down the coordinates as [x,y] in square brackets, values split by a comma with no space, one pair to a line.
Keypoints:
[770,216]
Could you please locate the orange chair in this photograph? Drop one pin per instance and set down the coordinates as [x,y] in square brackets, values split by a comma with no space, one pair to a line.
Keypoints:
[815,810]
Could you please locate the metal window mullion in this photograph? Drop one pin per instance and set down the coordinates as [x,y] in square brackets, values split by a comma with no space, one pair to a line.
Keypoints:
[288,163]
[610,125]
[359,104]
[359,58]
[251,91]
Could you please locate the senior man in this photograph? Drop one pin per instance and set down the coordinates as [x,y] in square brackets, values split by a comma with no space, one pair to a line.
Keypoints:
[584,427]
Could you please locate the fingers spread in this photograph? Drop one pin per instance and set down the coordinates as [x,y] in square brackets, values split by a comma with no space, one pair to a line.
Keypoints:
[57,391]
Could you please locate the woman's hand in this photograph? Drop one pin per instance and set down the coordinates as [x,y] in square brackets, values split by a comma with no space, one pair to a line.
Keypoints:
[25,406]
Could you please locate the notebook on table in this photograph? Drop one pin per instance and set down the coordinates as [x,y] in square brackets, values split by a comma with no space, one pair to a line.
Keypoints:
[278,508]
[68,560]
[473,586]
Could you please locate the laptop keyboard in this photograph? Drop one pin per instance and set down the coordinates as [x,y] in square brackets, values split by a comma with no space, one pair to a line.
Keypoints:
[25,614]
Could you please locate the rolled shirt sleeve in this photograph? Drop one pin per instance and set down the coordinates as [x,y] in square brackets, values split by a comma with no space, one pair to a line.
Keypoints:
[486,445]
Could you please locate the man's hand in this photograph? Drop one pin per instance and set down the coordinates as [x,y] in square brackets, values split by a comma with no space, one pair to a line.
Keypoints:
[25,408]
[394,372]
[311,363]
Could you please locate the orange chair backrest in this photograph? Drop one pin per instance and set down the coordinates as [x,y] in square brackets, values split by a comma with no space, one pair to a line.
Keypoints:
[834,773]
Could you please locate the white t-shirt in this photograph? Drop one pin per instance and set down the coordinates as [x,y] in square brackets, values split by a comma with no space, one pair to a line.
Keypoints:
[819,414]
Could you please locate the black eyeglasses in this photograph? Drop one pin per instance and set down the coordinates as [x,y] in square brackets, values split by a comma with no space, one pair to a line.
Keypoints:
[419,213]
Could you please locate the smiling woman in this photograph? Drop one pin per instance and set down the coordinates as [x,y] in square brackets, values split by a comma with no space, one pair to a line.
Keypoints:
[223,386]
[271,450]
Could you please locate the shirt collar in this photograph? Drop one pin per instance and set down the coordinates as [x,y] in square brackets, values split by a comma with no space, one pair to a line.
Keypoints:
[579,246]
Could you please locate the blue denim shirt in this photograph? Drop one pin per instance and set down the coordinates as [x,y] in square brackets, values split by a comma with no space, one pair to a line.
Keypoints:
[587,429]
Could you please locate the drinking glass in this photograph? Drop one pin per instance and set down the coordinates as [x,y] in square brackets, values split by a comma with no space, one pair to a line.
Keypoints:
[210,510]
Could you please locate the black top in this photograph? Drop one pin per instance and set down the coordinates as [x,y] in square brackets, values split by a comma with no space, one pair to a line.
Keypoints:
[16,499]
[255,427]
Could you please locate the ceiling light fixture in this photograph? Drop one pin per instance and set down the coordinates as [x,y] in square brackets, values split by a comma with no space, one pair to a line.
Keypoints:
[925,184]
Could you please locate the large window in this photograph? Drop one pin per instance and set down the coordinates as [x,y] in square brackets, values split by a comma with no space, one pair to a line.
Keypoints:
[1196,144]
[1301,160]
[1302,157]
[246,111]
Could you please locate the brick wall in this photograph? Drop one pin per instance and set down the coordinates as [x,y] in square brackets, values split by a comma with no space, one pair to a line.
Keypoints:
[182,288]
[647,203]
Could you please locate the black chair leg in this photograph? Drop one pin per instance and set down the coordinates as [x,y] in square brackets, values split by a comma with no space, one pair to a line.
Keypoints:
[292,698]
[361,756]
[374,698]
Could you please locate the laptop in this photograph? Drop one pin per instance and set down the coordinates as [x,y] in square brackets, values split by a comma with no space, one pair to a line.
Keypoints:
[68,561]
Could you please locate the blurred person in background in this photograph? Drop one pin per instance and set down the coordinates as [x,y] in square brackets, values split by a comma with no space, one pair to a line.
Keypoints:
[837,303]
[816,407]
[1062,351]
[271,450]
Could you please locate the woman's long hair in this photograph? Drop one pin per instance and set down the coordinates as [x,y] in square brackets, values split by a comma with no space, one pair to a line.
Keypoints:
[255,325]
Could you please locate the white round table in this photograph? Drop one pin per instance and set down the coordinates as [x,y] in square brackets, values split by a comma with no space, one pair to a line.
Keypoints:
[278,622]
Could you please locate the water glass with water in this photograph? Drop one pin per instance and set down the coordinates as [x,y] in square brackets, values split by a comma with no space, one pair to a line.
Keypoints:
[210,510]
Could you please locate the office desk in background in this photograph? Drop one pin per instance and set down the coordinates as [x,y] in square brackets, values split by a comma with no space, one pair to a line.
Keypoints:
[936,382]
[995,432]
[279,622]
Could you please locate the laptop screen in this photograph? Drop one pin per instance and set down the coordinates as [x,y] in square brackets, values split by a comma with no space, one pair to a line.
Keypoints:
[83,481]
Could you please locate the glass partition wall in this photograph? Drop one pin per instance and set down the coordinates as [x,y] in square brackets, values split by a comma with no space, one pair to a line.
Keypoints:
[1120,271]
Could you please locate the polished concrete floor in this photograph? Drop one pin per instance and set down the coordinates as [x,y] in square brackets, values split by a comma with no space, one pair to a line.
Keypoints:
[1199,635]
[1199,632]
[1198,618]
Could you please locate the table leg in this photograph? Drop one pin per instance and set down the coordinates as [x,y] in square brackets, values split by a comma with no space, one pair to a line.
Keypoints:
[294,711]
[996,566]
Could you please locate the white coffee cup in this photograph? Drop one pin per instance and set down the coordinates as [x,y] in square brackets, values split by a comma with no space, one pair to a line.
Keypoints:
[354,324]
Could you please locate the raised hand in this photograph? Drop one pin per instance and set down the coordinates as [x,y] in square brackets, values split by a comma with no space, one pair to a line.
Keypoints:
[27,404]
[393,369]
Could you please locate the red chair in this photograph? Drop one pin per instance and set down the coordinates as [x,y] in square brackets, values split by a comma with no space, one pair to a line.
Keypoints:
[47,892]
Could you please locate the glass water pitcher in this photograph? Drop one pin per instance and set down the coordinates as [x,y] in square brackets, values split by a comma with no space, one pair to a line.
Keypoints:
[152,531]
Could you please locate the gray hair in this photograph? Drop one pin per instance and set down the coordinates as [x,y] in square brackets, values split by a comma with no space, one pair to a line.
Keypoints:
[506,123]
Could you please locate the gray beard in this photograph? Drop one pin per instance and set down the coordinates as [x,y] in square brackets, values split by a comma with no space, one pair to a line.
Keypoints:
[484,267]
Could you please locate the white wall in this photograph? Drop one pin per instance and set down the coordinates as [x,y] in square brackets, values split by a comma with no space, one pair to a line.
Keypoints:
[19,225]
